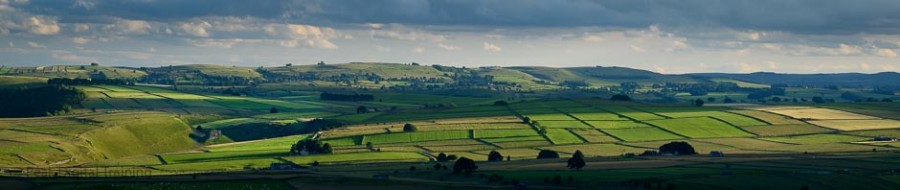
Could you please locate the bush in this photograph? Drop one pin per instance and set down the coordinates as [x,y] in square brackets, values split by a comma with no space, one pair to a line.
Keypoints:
[500,103]
[495,156]
[547,154]
[409,128]
[577,161]
[442,157]
[677,148]
[620,97]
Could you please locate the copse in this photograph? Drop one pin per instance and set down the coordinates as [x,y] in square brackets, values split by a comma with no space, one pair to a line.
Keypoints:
[39,101]
[677,148]
[346,97]
[310,146]
[620,97]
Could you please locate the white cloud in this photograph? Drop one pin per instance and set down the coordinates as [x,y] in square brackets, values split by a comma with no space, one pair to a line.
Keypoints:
[4,31]
[42,26]
[448,47]
[888,67]
[314,36]
[491,47]
[864,66]
[80,40]
[214,43]
[659,69]
[82,27]
[748,68]
[69,56]
[637,49]
[592,38]
[382,48]
[198,29]
[288,43]
[151,49]
[845,49]
[886,53]
[754,36]
[418,49]
[131,26]
[36,45]
[12,45]
[400,32]
[772,65]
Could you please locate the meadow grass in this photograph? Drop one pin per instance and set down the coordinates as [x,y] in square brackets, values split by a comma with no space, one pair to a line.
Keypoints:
[562,136]
[616,124]
[782,130]
[642,134]
[817,139]
[563,124]
[699,127]
[505,133]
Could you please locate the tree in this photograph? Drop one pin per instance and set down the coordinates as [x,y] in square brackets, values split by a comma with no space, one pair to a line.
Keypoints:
[362,109]
[326,148]
[273,110]
[577,161]
[409,128]
[500,103]
[437,166]
[711,99]
[199,128]
[528,119]
[464,165]
[818,99]
[547,154]
[452,157]
[698,103]
[494,156]
[887,100]
[728,100]
[620,97]
[442,157]
[677,148]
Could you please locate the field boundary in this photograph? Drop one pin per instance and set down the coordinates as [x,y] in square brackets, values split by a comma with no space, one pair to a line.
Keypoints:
[758,119]
[732,125]
[588,124]
[533,127]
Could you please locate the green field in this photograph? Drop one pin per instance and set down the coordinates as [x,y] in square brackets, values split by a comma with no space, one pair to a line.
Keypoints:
[562,136]
[505,133]
[700,127]
[641,134]
[817,139]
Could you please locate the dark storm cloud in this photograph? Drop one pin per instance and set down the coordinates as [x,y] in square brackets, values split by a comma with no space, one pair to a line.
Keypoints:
[795,16]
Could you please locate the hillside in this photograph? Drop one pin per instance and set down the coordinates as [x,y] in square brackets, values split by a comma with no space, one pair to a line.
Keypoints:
[838,79]
[75,71]
[76,139]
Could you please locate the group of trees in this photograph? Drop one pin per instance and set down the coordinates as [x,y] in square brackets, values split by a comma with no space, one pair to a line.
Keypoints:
[39,101]
[310,146]
[80,81]
[346,97]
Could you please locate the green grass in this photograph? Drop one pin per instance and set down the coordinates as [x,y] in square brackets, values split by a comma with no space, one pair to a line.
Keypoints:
[562,136]
[563,124]
[505,133]
[415,136]
[782,130]
[734,119]
[818,139]
[595,149]
[223,155]
[256,163]
[594,136]
[514,139]
[700,127]
[273,144]
[229,122]
[631,113]
[616,124]
[358,157]
[591,114]
[20,81]
[771,118]
[642,134]
[549,117]
[346,141]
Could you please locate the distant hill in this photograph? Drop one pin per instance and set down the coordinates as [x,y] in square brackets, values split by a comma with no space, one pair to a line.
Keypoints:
[839,79]
[375,75]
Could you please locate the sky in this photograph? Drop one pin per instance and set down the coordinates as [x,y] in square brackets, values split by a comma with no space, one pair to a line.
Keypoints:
[665,36]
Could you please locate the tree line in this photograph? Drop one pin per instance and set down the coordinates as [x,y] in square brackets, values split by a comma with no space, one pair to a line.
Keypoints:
[39,101]
[346,97]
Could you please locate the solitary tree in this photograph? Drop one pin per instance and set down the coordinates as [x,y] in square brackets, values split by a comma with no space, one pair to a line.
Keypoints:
[620,97]
[362,109]
[273,110]
[494,156]
[527,120]
[464,165]
[500,103]
[577,161]
[547,154]
[409,128]
[698,103]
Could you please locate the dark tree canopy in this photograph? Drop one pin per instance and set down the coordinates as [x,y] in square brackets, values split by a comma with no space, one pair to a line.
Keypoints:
[620,97]
[678,148]
[319,124]
[273,110]
[442,157]
[699,103]
[346,97]
[464,165]
[495,156]
[409,128]
[500,103]
[577,161]
[39,101]
[547,154]
[310,146]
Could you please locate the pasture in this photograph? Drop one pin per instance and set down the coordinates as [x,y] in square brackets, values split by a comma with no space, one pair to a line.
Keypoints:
[699,127]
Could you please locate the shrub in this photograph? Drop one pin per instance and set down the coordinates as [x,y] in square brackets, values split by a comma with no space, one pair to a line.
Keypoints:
[464,165]
[495,156]
[409,128]
[547,154]
[677,148]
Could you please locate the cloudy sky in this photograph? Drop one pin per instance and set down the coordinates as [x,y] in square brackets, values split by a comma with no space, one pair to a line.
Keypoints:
[666,36]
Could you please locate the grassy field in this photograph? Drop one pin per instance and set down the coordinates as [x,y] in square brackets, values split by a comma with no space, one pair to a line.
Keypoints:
[817,139]
[641,134]
[781,130]
[505,133]
[562,124]
[616,124]
[816,113]
[853,125]
[700,127]
[562,136]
